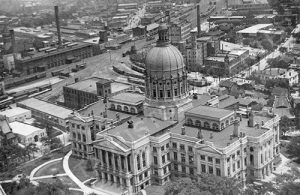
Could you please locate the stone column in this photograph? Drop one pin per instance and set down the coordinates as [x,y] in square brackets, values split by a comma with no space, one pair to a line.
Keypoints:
[119,163]
[113,161]
[126,164]
[106,160]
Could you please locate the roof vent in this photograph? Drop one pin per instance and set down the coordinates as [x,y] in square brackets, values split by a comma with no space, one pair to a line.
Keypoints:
[183,130]
[130,124]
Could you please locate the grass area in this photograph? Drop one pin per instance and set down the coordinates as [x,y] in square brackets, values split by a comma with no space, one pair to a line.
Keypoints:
[78,167]
[154,190]
[27,167]
[50,169]
[65,180]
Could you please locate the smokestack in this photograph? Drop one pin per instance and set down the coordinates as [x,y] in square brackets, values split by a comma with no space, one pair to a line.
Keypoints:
[198,21]
[57,25]
[13,40]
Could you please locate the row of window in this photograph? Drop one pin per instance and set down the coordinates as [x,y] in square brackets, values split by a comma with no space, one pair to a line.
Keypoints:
[210,159]
[210,170]
[164,158]
[182,147]
[79,146]
[184,169]
[78,137]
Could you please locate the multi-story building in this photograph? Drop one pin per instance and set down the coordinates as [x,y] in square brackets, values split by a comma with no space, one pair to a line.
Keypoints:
[50,114]
[176,137]
[278,73]
[53,57]
[180,31]
[85,92]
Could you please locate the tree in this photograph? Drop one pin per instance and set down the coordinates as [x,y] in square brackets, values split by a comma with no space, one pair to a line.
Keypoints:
[285,123]
[267,45]
[282,49]
[207,184]
[293,148]
[89,165]
[32,148]
[246,41]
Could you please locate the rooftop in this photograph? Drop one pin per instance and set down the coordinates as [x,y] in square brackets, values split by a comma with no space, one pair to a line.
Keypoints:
[130,98]
[254,29]
[116,86]
[46,107]
[142,127]
[14,111]
[23,128]
[222,138]
[88,85]
[211,112]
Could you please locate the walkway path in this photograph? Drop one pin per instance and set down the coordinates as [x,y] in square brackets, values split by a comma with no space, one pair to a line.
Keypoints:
[33,172]
[84,188]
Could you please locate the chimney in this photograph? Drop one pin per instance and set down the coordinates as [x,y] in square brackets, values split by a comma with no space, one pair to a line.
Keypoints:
[13,40]
[183,130]
[236,130]
[198,21]
[199,136]
[251,120]
[57,25]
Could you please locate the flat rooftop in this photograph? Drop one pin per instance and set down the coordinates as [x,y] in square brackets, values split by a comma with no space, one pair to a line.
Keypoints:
[142,126]
[46,107]
[222,138]
[14,111]
[88,85]
[23,128]
[254,29]
[208,111]
[129,98]
[116,86]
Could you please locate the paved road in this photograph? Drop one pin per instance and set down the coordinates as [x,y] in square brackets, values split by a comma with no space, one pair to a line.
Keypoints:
[100,65]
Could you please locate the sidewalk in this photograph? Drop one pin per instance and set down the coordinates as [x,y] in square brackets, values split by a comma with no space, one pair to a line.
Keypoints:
[87,190]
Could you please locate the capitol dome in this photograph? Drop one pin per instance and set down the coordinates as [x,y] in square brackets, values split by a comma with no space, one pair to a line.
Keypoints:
[164,57]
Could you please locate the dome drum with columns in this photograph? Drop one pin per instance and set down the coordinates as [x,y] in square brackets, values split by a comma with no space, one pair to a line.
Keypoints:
[166,80]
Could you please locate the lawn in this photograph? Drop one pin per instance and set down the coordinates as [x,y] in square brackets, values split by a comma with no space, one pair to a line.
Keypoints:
[78,167]
[27,167]
[50,169]
[154,190]
[64,179]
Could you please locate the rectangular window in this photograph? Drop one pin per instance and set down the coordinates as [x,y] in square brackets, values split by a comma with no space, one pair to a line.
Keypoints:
[162,148]
[163,159]
[175,167]
[210,170]
[161,94]
[183,169]
[146,174]
[202,157]
[167,145]
[203,168]
[217,161]
[175,92]
[238,153]
[155,160]
[183,158]
[169,93]
[154,93]
[154,149]
[245,161]
[174,145]
[191,171]
[190,149]
[168,156]
[218,172]
[191,159]
[141,177]
[210,159]
[238,164]
[175,155]
[233,167]
[181,147]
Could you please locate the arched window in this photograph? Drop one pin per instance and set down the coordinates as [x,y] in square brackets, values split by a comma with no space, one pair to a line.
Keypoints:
[126,109]
[119,107]
[189,121]
[112,106]
[138,162]
[144,159]
[79,136]
[84,138]
[231,120]
[215,126]
[227,122]
[251,149]
[206,125]
[74,135]
[132,110]
[197,123]
[222,125]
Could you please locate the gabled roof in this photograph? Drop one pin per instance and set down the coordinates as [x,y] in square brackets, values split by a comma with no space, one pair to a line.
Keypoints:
[113,143]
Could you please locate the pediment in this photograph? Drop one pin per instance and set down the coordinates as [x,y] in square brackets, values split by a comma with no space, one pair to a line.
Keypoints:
[208,149]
